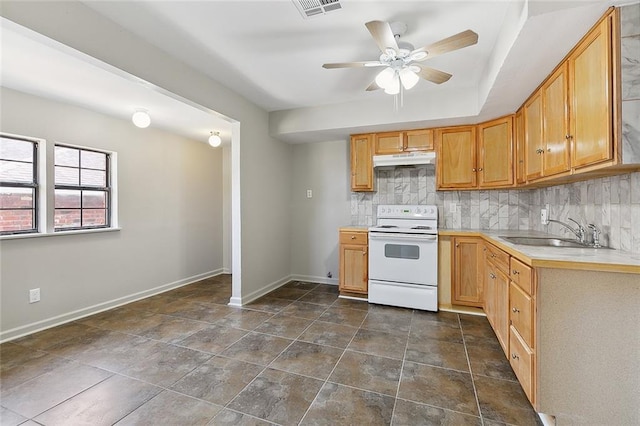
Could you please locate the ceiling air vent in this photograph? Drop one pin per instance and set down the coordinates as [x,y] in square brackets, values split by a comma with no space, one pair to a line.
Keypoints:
[310,8]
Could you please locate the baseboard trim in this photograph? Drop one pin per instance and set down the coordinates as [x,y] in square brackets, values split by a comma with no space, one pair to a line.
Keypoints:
[314,279]
[57,320]
[254,295]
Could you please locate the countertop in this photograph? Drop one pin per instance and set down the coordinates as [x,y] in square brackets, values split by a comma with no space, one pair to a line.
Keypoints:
[605,260]
[353,228]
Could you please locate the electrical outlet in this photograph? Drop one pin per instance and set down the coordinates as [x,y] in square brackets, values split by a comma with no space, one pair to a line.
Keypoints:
[309,193]
[544,216]
[34,295]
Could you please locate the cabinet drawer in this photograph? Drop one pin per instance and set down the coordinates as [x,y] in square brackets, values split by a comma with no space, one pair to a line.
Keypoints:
[521,313]
[521,358]
[521,274]
[498,257]
[348,237]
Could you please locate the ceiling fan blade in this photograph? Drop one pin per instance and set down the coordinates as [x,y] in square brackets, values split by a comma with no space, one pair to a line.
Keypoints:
[373,86]
[354,64]
[382,34]
[433,75]
[449,44]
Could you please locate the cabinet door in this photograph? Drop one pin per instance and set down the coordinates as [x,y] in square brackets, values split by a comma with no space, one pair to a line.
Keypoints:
[418,140]
[555,113]
[533,137]
[456,165]
[389,143]
[521,176]
[353,268]
[495,148]
[362,163]
[591,99]
[497,284]
[467,272]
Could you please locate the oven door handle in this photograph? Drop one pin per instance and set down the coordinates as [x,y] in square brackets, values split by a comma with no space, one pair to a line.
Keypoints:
[397,236]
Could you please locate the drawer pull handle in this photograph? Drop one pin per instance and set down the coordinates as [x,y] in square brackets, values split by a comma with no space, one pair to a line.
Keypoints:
[514,356]
[516,310]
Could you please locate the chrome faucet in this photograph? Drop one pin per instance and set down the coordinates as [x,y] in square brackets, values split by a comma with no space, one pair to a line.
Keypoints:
[596,235]
[579,232]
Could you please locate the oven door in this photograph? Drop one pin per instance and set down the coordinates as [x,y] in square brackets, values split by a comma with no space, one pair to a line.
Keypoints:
[404,258]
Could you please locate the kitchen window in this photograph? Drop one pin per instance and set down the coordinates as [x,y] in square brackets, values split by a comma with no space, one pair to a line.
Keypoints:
[82,194]
[18,185]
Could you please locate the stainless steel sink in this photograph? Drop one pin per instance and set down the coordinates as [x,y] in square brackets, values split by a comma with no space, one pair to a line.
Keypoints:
[546,242]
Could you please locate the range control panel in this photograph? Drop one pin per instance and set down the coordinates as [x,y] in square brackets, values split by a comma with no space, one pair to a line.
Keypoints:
[407,211]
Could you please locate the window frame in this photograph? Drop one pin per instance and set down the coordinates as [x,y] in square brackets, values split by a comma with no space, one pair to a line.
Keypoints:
[38,146]
[107,189]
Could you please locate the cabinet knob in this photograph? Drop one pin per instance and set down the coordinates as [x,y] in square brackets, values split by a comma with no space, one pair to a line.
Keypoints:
[492,276]
[364,253]
[480,169]
[473,170]
[539,151]
[493,255]
[457,245]
[353,237]
[516,310]
[548,149]
[514,356]
[568,137]
[515,272]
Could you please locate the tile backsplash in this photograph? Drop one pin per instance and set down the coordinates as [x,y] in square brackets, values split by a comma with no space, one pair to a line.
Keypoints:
[611,203]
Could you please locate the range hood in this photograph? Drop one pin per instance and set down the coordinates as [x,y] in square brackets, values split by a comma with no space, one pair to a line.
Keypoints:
[408,159]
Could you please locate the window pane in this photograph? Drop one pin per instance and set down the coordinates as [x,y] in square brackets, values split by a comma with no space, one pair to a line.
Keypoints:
[94,199]
[67,156]
[11,171]
[67,199]
[67,176]
[93,178]
[66,218]
[93,160]
[16,198]
[94,217]
[12,149]
[16,220]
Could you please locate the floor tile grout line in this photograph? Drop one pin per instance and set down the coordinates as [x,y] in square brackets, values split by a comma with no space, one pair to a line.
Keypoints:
[404,358]
[473,382]
[330,373]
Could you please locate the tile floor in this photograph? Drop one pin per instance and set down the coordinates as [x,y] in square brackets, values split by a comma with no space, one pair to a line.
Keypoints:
[300,355]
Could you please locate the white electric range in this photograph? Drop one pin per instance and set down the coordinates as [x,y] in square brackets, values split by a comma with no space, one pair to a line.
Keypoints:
[403,257]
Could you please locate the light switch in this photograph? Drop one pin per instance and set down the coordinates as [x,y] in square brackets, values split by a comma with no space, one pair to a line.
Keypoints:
[309,193]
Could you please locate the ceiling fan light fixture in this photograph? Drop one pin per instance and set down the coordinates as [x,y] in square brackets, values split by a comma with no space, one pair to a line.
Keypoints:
[393,88]
[385,77]
[408,78]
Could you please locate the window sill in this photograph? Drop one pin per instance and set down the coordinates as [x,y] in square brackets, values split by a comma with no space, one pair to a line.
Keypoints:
[55,234]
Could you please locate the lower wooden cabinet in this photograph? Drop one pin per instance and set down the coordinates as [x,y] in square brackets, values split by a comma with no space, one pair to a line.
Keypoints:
[467,271]
[522,358]
[496,295]
[354,263]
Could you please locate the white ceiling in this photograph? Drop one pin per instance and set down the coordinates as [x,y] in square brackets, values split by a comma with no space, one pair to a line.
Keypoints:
[267,52]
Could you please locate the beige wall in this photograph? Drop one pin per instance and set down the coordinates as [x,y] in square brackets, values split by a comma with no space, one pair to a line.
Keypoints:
[323,168]
[170,212]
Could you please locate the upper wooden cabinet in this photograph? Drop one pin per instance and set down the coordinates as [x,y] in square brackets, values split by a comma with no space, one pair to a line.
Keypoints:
[495,153]
[520,171]
[555,118]
[362,162]
[590,89]
[456,153]
[479,156]
[533,136]
[407,141]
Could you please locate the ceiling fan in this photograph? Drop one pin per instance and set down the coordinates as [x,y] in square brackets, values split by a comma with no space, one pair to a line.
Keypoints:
[401,61]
